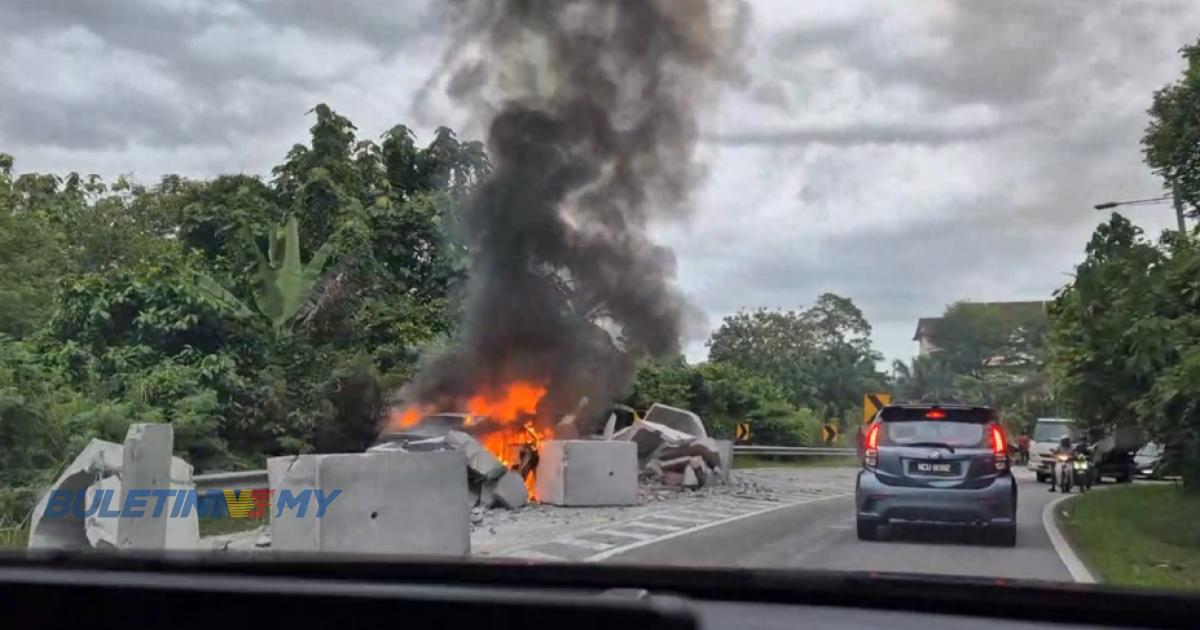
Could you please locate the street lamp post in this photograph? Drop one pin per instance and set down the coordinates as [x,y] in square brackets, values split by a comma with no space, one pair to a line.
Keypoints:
[1174,197]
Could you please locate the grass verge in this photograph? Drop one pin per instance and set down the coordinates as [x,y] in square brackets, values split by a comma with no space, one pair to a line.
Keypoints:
[14,536]
[760,461]
[1137,535]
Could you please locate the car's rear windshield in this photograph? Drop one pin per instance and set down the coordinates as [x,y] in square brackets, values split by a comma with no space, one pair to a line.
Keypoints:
[956,427]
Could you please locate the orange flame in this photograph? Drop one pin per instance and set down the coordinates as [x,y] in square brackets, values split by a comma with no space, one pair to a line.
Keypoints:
[495,419]
[405,418]
[519,399]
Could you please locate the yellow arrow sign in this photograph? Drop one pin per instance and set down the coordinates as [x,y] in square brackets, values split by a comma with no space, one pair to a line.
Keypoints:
[872,403]
[742,432]
[829,433]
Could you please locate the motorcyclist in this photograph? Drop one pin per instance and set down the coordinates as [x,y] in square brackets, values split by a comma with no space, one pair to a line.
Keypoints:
[1064,446]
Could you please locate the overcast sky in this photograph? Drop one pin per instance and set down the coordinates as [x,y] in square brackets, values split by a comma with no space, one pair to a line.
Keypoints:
[904,154]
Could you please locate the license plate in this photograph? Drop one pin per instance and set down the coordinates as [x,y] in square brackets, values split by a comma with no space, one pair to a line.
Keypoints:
[935,468]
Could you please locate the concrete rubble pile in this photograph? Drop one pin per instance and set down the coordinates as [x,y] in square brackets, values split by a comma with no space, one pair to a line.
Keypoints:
[144,462]
[489,482]
[673,449]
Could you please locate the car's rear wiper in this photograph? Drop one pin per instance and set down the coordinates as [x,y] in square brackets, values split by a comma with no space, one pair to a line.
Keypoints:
[934,444]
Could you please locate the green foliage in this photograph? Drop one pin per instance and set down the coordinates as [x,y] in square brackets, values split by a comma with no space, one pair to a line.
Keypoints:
[985,354]
[1171,144]
[284,283]
[125,303]
[1124,338]
[821,357]
[724,395]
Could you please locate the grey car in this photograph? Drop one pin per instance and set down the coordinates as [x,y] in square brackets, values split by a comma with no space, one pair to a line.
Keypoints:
[933,463]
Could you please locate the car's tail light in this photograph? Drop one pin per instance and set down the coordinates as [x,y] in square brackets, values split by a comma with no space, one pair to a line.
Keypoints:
[999,446]
[871,453]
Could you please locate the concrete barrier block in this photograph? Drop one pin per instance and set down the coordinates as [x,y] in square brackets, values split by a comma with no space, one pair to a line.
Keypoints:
[146,465]
[725,452]
[509,491]
[587,472]
[678,419]
[390,503]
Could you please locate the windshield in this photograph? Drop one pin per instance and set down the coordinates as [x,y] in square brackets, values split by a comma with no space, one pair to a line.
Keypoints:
[1150,450]
[933,432]
[595,281]
[1051,431]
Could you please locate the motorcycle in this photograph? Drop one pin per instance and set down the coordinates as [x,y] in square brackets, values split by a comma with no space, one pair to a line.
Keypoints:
[1063,471]
[1081,470]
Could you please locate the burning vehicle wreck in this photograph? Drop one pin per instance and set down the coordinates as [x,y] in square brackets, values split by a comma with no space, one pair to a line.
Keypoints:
[510,460]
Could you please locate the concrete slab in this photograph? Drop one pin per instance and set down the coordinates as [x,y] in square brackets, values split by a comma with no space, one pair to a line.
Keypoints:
[97,460]
[650,438]
[676,418]
[725,458]
[481,462]
[587,472]
[706,448]
[509,491]
[390,503]
[690,480]
[182,533]
[99,466]
[146,465]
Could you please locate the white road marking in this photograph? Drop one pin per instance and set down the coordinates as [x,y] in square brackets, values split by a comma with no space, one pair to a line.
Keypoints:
[1079,571]
[678,519]
[658,526]
[615,531]
[604,555]
[531,554]
[586,544]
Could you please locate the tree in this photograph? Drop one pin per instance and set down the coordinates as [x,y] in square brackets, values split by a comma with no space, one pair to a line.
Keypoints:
[821,357]
[724,395]
[927,379]
[147,302]
[1171,144]
[1091,318]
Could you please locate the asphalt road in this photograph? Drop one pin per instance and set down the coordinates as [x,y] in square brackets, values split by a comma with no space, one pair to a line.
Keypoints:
[821,535]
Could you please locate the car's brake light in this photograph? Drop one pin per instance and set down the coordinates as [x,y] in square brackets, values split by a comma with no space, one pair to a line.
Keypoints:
[999,446]
[871,454]
[935,414]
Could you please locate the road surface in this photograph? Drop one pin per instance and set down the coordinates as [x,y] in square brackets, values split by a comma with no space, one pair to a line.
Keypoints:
[821,535]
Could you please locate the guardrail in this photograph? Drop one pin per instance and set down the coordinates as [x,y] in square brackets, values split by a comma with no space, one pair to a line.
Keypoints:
[251,479]
[794,451]
[241,480]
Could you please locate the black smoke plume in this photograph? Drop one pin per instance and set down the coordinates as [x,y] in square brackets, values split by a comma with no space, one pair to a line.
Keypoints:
[593,124]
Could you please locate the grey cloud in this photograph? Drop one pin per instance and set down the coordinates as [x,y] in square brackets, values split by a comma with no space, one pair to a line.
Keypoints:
[210,82]
[849,135]
[390,26]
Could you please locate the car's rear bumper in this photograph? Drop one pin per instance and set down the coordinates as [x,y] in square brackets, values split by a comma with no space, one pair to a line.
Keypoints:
[994,505]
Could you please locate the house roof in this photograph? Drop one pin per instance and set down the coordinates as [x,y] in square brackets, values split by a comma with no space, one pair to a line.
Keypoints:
[926,325]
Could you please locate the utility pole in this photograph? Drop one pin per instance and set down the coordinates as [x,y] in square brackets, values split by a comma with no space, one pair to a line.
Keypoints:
[1178,201]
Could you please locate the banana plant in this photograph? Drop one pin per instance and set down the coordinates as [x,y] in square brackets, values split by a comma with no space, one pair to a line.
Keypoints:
[283,284]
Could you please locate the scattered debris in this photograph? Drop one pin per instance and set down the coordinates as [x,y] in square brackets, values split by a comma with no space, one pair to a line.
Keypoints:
[678,419]
[508,491]
[673,449]
[489,481]
[144,461]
